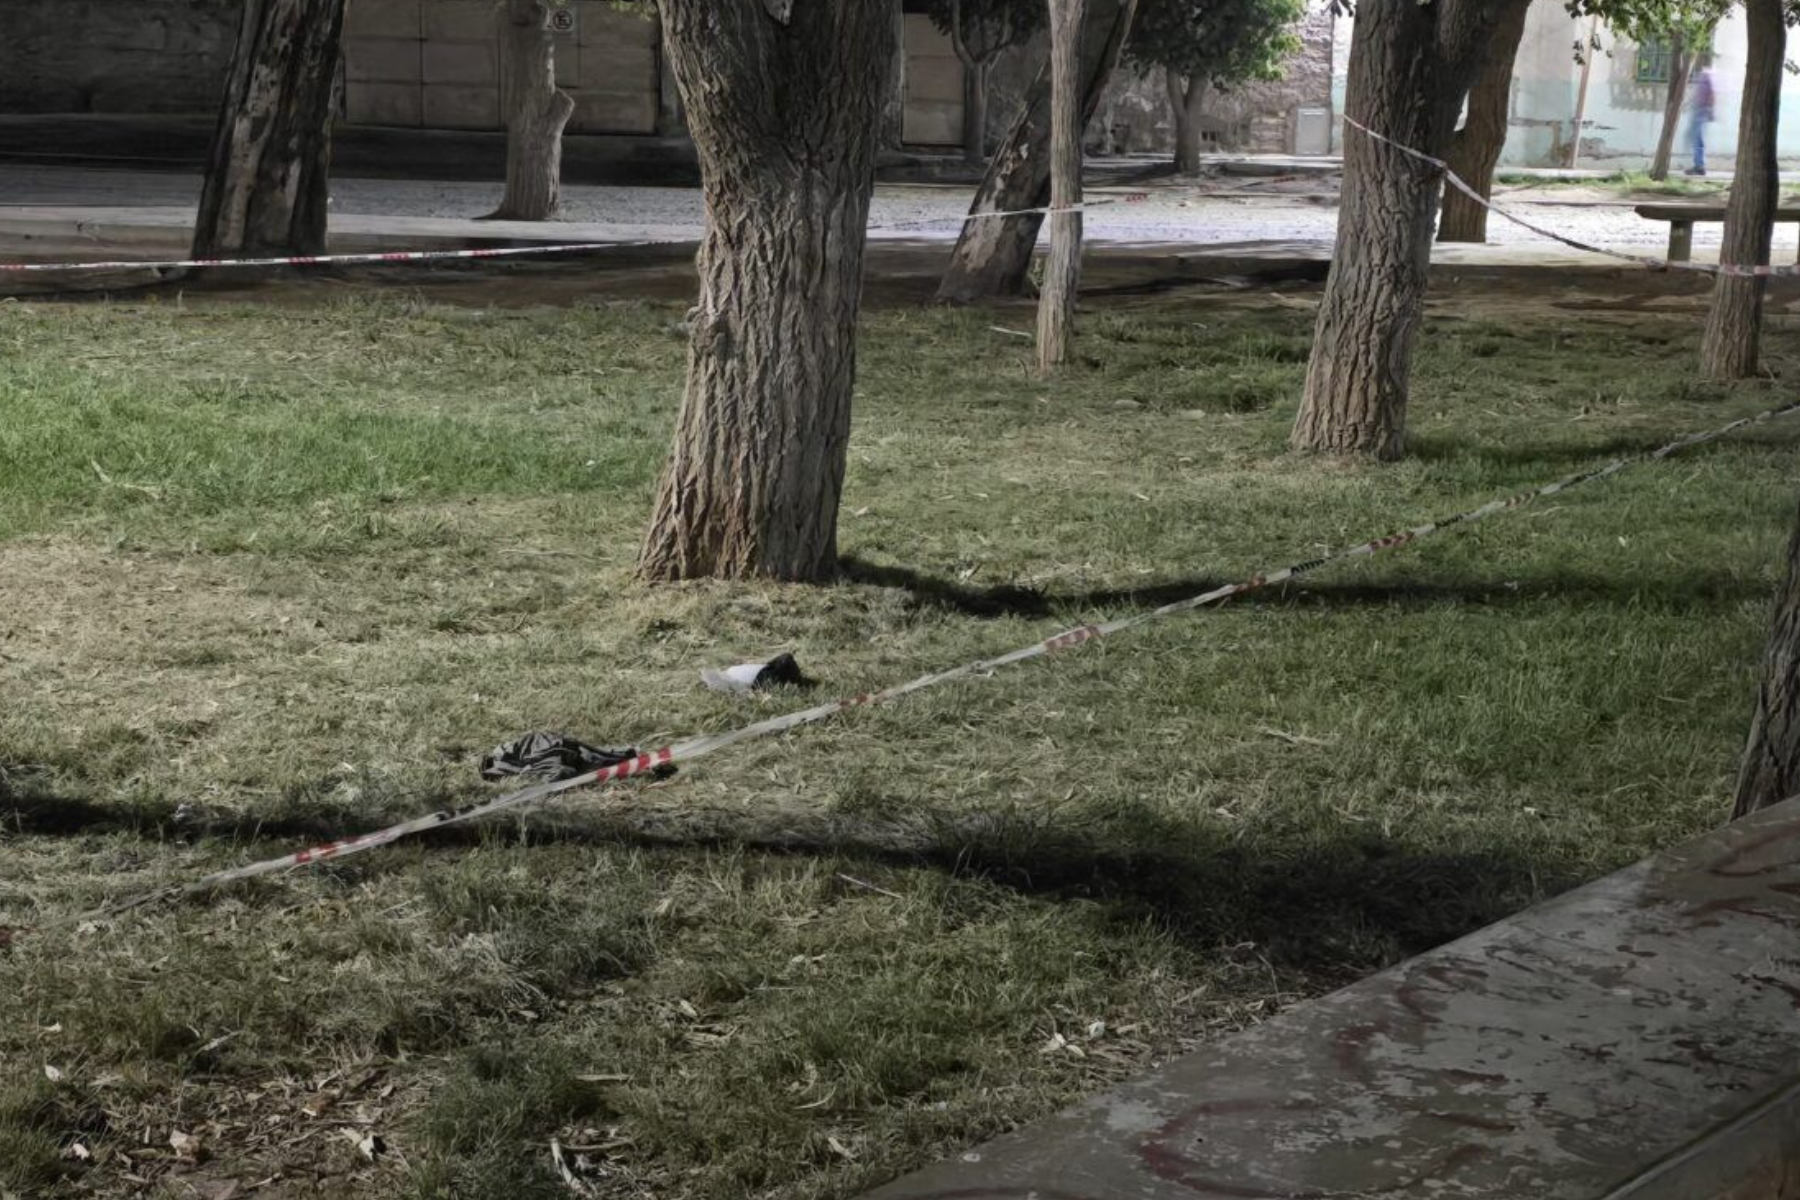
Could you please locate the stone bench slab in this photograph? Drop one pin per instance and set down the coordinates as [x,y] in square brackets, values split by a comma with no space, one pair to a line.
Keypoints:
[1638,1037]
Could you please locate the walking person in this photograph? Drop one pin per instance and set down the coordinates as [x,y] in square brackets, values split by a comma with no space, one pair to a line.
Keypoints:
[1700,112]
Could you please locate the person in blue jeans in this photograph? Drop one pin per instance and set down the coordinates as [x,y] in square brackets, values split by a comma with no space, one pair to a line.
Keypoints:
[1700,112]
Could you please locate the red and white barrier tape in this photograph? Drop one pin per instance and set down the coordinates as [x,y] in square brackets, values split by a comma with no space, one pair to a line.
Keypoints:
[705,744]
[1456,181]
[400,256]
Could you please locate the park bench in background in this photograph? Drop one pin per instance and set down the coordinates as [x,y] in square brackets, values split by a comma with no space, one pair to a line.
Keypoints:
[1635,1039]
[1683,217]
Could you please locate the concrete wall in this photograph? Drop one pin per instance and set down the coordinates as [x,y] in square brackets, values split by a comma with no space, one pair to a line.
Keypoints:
[1624,117]
[934,86]
[114,56]
[433,63]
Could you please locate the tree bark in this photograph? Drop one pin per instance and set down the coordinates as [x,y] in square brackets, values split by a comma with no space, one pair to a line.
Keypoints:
[266,173]
[975,110]
[1734,329]
[535,111]
[1409,68]
[1185,101]
[1680,62]
[993,255]
[1476,148]
[784,100]
[1770,772]
[1062,274]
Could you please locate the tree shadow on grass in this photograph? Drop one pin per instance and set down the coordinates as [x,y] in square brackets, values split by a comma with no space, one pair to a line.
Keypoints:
[1673,589]
[1430,447]
[1332,902]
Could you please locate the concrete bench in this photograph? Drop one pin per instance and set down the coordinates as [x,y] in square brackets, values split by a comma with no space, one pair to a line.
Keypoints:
[1635,1039]
[1683,217]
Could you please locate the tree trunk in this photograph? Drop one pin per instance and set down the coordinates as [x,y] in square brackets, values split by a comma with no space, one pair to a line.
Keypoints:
[535,111]
[1062,274]
[1185,100]
[1475,150]
[975,110]
[1770,772]
[1734,330]
[1409,67]
[1588,50]
[1680,62]
[993,255]
[752,486]
[266,174]
[893,112]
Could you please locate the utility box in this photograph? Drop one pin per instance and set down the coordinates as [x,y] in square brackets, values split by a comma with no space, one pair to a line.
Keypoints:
[1312,131]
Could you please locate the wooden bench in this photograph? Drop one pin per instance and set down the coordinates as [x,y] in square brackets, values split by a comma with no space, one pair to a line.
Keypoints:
[1683,217]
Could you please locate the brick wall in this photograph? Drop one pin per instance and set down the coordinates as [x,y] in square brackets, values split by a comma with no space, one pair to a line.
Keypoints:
[114,56]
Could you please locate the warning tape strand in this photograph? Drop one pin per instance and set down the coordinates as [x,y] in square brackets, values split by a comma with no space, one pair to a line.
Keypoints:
[1736,270]
[1069,639]
[401,256]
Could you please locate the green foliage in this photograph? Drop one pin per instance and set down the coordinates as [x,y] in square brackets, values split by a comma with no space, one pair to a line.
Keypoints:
[983,28]
[1220,41]
[1647,20]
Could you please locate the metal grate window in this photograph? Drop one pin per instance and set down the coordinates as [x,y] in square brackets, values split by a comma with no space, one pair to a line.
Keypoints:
[1654,61]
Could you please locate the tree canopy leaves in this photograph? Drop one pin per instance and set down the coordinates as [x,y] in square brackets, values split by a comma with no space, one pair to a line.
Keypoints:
[1220,41]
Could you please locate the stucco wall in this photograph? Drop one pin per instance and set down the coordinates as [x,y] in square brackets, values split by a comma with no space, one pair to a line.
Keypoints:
[114,56]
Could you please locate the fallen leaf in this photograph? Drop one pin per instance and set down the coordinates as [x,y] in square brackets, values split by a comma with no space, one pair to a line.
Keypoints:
[838,1148]
[184,1144]
[52,1074]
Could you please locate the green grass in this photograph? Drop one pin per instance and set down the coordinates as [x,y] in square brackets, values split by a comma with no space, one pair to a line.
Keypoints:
[295,568]
[1627,183]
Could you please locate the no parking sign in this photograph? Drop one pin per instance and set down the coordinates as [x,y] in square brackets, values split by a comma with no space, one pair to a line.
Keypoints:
[562,19]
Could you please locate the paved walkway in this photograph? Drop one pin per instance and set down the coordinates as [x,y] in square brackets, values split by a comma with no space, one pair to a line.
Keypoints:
[48,205]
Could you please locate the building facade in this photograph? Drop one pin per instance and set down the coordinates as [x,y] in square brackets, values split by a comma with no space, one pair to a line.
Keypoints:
[432,64]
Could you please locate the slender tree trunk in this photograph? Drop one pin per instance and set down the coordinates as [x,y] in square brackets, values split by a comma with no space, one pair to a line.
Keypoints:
[993,255]
[975,110]
[1588,51]
[1770,772]
[1186,97]
[1734,330]
[752,486]
[1062,274]
[535,111]
[1410,64]
[1680,61]
[893,113]
[266,174]
[1475,150]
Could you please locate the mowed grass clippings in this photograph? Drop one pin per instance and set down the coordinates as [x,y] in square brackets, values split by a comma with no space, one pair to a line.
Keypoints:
[281,573]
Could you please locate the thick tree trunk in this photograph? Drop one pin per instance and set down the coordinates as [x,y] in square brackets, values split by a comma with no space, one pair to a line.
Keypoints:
[993,255]
[1680,62]
[266,174]
[1062,274]
[1409,68]
[535,111]
[1185,101]
[1475,150]
[752,486]
[975,110]
[1770,772]
[1734,330]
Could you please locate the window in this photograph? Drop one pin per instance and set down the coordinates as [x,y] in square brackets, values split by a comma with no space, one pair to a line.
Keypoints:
[1654,61]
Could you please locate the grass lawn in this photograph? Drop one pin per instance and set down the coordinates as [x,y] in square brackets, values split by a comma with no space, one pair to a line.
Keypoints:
[278,571]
